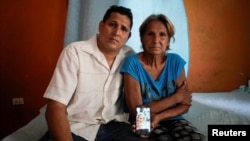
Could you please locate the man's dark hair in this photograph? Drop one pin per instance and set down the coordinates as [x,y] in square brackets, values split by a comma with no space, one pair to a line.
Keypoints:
[119,9]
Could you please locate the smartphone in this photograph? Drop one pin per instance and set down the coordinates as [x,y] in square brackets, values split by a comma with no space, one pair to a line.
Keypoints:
[143,120]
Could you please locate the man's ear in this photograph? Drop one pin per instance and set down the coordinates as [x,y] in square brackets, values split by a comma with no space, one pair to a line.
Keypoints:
[100,25]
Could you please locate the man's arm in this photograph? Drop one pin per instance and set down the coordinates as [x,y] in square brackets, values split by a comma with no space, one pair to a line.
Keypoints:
[57,122]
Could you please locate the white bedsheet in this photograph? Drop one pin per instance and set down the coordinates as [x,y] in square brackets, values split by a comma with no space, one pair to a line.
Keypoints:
[32,131]
[207,108]
[219,108]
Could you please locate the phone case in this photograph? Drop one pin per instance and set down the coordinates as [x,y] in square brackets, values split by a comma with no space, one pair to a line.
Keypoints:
[142,120]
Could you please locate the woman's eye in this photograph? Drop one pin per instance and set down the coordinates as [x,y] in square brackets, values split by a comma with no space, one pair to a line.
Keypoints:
[124,29]
[163,34]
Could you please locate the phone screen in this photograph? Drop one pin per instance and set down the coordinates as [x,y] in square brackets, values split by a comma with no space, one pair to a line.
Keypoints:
[142,120]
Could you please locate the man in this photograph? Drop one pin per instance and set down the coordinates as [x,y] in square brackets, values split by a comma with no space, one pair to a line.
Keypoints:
[84,95]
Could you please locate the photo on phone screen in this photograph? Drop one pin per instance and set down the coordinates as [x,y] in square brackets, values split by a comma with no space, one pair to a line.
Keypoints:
[142,120]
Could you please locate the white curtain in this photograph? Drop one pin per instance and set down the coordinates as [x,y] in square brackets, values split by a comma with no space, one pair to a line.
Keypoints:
[84,16]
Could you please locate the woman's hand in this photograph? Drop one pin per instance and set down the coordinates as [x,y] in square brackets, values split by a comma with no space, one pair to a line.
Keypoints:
[141,135]
[154,121]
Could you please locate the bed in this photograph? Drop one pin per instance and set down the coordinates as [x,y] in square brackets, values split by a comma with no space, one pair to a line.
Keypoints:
[207,108]
[220,108]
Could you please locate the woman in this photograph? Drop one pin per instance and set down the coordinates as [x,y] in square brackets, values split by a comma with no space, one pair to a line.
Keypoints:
[157,79]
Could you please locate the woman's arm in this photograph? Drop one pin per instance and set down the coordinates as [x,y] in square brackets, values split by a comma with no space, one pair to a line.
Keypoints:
[133,98]
[182,98]
[132,94]
[169,113]
[159,109]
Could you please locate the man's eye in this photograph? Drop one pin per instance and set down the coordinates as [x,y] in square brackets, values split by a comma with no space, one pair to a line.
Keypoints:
[112,24]
[150,33]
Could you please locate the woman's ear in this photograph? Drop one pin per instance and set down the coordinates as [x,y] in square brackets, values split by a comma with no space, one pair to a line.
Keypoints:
[129,34]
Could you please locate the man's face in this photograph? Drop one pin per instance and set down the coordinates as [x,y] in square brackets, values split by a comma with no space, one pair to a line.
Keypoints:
[113,33]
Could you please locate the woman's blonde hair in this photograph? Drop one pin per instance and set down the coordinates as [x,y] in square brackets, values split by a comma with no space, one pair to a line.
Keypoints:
[162,18]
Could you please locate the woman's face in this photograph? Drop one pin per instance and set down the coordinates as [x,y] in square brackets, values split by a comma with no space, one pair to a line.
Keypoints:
[140,118]
[155,39]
